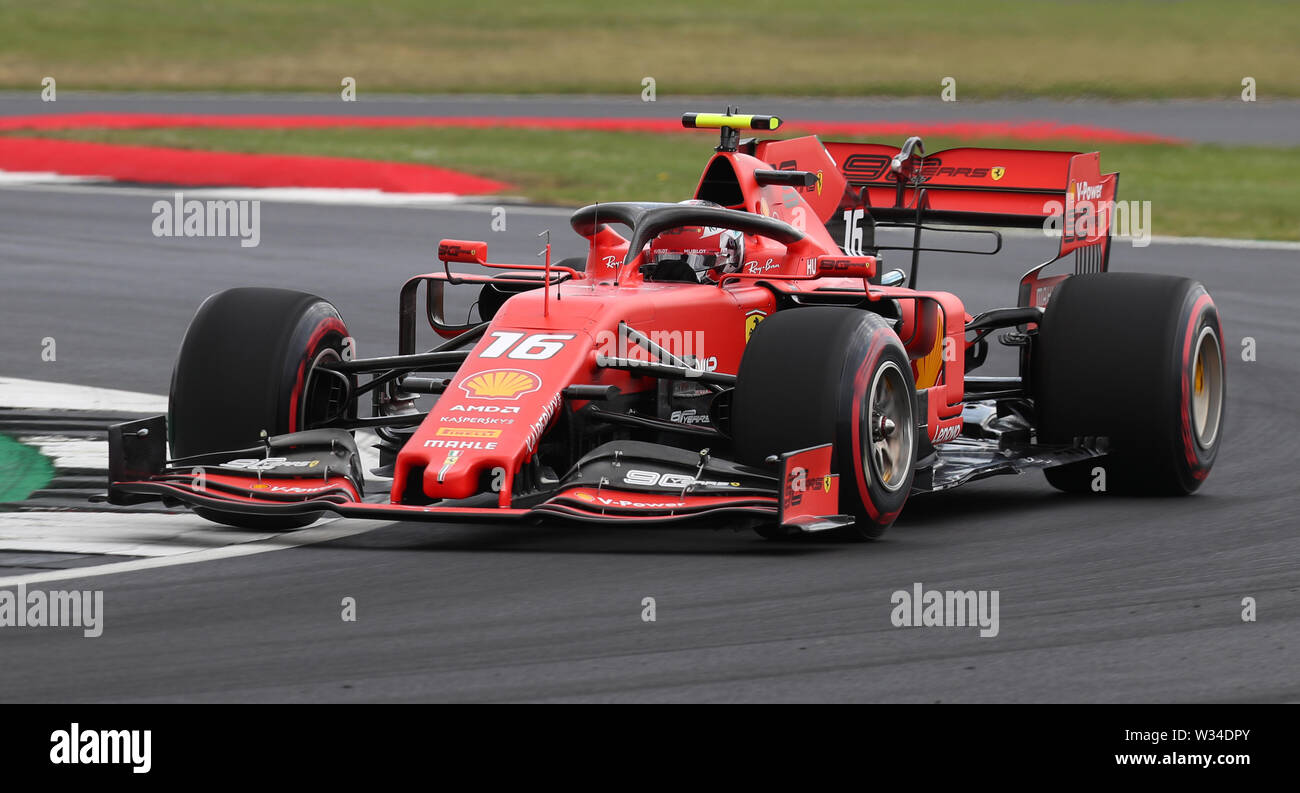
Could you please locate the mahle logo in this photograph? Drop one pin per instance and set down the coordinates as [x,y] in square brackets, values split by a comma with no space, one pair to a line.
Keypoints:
[501,384]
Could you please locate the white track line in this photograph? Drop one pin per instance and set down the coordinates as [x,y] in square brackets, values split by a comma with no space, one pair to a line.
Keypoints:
[1121,243]
[310,195]
[1222,242]
[139,534]
[450,202]
[453,201]
[76,453]
[164,539]
[323,533]
[68,453]
[16,393]
[24,178]
[337,196]
[326,195]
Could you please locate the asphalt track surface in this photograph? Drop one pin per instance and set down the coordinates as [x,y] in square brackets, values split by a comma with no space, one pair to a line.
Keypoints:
[1102,599]
[1226,121]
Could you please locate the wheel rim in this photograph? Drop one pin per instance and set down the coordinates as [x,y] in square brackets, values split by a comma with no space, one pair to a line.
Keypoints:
[322,393]
[887,439]
[1207,389]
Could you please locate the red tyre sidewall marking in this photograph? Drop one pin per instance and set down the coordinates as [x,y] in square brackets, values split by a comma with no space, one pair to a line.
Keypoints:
[861,383]
[323,329]
[1190,447]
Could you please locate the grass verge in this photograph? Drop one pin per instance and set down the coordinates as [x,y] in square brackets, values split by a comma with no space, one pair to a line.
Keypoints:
[1110,48]
[1195,190]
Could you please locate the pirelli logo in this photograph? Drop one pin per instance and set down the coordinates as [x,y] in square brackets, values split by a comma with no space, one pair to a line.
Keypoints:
[467,432]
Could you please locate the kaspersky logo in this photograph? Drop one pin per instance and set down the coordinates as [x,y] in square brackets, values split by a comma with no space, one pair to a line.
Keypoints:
[500,384]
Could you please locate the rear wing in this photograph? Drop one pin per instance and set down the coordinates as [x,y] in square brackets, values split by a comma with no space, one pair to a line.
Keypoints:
[974,186]
[891,186]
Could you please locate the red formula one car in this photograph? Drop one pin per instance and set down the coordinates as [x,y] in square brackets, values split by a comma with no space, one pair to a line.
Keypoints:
[738,355]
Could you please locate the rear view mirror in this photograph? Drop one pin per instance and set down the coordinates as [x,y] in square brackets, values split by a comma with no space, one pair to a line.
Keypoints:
[464,251]
[847,266]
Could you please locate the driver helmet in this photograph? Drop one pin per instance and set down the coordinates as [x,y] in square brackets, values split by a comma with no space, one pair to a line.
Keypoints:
[696,253]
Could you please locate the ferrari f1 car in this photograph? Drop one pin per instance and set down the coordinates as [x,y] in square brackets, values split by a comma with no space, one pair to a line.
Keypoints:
[742,354]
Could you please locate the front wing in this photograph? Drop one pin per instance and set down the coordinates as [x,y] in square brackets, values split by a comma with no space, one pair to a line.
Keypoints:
[318,473]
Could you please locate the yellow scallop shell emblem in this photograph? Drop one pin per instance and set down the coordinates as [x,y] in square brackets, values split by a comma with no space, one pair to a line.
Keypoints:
[501,384]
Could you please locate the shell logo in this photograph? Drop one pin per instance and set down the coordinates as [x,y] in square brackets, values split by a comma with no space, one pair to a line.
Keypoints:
[584,496]
[501,384]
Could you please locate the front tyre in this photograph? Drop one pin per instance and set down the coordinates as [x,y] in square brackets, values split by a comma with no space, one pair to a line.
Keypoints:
[251,361]
[819,375]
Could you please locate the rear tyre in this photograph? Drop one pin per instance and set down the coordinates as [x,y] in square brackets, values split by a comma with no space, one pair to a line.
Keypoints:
[1139,359]
[249,362]
[819,375]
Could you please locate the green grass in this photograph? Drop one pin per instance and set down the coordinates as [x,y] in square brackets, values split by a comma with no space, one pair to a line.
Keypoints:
[1195,190]
[1144,48]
